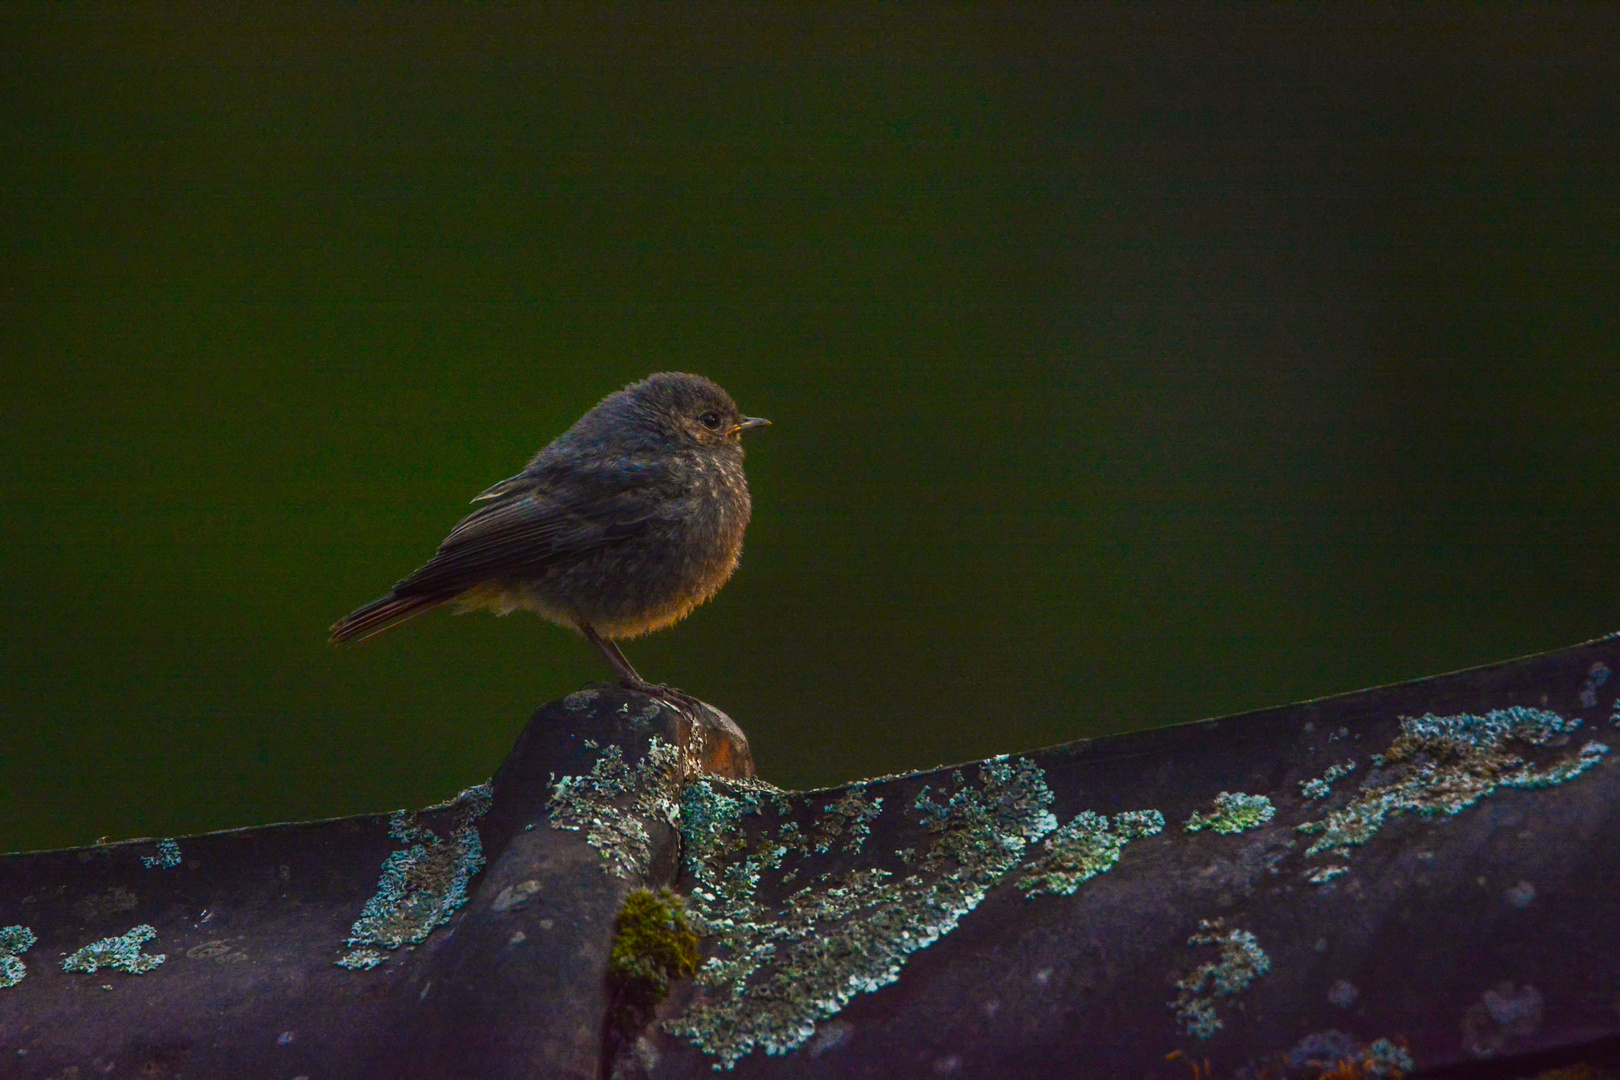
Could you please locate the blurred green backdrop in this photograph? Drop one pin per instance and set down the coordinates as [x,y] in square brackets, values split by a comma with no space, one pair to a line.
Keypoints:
[1127,368]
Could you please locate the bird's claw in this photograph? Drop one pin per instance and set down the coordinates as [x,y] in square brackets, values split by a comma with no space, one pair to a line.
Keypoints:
[664,693]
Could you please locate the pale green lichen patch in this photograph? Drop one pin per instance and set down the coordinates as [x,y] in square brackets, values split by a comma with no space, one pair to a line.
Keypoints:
[1234,812]
[848,819]
[612,803]
[1241,961]
[1085,847]
[1321,788]
[14,940]
[122,953]
[778,964]
[1325,874]
[167,857]
[1333,1053]
[1383,1058]
[1441,765]
[1537,726]
[1596,677]
[422,885]
[361,959]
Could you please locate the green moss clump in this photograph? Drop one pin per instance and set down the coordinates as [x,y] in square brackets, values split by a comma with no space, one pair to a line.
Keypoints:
[652,947]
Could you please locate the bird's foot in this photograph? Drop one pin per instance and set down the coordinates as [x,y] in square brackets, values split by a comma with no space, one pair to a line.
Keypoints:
[663,693]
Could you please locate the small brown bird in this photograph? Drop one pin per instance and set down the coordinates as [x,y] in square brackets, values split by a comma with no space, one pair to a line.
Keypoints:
[625,523]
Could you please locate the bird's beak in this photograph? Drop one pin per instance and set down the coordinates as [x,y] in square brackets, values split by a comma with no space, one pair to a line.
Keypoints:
[748,422]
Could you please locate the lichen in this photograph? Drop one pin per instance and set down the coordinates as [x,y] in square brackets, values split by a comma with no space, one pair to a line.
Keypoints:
[1596,676]
[612,802]
[167,857]
[1343,993]
[14,940]
[1441,765]
[1320,788]
[361,959]
[780,964]
[1335,1054]
[1234,812]
[1381,1057]
[849,818]
[1538,726]
[421,885]
[1087,846]
[1520,895]
[1323,875]
[1241,962]
[122,953]
[1502,1014]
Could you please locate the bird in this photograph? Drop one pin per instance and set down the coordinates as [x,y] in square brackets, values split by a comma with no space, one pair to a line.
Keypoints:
[621,526]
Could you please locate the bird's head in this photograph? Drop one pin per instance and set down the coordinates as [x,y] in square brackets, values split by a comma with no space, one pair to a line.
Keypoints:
[688,410]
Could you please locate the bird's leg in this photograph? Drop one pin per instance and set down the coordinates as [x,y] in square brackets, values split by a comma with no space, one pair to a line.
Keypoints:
[610,652]
[628,677]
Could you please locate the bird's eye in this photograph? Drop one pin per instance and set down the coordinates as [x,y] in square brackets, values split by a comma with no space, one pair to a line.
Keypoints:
[710,420]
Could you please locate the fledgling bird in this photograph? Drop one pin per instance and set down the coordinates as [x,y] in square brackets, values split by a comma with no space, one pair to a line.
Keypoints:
[625,523]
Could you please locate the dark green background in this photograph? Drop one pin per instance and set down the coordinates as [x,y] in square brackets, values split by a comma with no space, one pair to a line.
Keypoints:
[1126,369]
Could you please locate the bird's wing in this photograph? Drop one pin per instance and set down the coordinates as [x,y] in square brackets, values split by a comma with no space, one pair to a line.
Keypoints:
[520,532]
[505,487]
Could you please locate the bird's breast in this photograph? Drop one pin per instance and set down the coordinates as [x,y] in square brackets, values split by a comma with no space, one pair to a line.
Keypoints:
[657,575]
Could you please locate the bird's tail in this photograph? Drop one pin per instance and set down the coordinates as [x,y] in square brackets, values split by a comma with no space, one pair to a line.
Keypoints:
[379,615]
